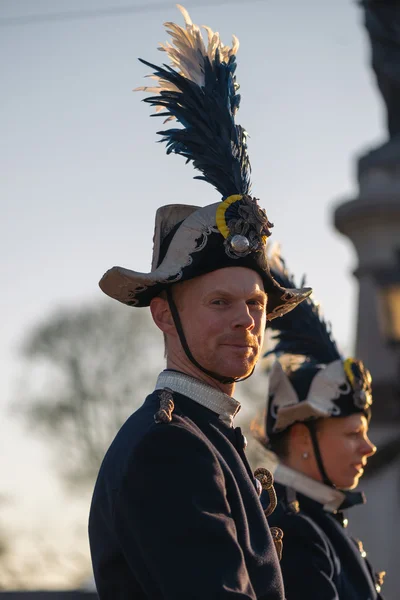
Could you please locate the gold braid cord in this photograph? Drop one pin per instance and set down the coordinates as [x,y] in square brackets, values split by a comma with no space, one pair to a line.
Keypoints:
[164,414]
[266,479]
[379,577]
[277,535]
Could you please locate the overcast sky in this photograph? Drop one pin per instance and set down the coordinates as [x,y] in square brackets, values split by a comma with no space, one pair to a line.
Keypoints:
[82,175]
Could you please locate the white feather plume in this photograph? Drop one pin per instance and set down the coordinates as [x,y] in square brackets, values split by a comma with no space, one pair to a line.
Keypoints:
[187,52]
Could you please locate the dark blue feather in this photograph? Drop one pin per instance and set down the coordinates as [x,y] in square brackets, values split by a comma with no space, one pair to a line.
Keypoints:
[210,139]
[302,331]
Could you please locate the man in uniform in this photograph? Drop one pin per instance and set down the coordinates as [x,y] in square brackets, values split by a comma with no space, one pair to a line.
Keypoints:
[176,513]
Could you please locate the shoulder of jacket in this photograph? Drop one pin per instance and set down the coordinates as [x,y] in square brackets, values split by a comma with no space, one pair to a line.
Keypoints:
[292,519]
[172,432]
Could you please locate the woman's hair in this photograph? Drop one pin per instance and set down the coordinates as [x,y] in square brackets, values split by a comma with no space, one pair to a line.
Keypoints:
[279,443]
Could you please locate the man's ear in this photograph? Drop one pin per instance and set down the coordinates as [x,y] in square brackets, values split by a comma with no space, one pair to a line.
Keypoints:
[161,314]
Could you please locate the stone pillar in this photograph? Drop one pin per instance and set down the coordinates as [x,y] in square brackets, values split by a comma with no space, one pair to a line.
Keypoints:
[372,222]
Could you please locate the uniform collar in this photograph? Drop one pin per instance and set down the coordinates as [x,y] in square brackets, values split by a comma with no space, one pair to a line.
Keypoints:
[331,499]
[223,405]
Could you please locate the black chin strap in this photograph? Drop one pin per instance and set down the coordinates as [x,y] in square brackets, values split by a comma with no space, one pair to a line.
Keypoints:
[351,498]
[185,346]
[313,433]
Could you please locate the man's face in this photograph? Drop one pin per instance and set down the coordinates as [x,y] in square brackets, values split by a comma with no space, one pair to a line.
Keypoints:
[223,315]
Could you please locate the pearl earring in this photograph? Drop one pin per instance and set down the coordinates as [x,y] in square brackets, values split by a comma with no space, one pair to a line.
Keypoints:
[305,454]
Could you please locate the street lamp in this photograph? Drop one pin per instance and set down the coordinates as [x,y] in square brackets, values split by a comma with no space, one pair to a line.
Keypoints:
[389,304]
[388,283]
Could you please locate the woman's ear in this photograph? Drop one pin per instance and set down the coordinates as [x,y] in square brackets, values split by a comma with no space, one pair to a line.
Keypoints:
[161,314]
[300,439]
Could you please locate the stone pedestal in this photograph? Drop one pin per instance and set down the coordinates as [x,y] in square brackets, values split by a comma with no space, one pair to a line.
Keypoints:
[372,222]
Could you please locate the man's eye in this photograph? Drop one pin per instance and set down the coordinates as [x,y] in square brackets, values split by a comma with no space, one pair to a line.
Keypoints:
[218,302]
[257,303]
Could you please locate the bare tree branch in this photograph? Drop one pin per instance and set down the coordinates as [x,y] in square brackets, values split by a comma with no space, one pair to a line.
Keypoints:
[86,371]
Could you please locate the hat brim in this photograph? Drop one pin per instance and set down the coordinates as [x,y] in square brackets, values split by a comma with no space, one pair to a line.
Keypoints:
[138,289]
[195,247]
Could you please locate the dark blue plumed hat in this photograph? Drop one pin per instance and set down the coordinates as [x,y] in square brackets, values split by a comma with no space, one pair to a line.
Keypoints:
[310,378]
[200,92]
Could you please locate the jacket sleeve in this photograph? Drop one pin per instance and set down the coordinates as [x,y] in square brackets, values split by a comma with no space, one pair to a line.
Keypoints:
[308,563]
[172,505]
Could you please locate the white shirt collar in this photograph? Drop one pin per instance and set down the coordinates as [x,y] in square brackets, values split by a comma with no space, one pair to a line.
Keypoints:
[330,498]
[223,405]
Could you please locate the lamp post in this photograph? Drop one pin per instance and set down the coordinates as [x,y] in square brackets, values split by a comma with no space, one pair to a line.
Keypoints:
[388,281]
[388,296]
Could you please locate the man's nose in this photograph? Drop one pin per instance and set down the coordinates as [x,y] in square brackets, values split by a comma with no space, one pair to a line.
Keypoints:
[243,317]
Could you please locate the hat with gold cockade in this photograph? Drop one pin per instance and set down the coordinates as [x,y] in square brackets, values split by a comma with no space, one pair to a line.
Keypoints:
[310,379]
[199,90]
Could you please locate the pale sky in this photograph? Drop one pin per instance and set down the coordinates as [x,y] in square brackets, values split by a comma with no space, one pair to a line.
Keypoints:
[82,175]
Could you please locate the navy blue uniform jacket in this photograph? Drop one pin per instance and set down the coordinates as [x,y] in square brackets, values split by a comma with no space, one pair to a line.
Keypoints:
[320,561]
[175,513]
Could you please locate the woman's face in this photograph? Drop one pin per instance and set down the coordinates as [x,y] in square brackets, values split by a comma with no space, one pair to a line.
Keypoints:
[345,448]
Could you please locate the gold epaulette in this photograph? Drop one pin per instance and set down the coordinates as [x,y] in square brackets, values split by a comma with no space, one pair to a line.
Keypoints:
[164,413]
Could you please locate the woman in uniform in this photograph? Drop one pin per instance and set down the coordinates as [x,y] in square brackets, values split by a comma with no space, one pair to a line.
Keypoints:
[317,419]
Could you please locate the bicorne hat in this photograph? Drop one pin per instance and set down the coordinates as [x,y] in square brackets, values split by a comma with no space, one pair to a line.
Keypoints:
[310,379]
[200,90]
